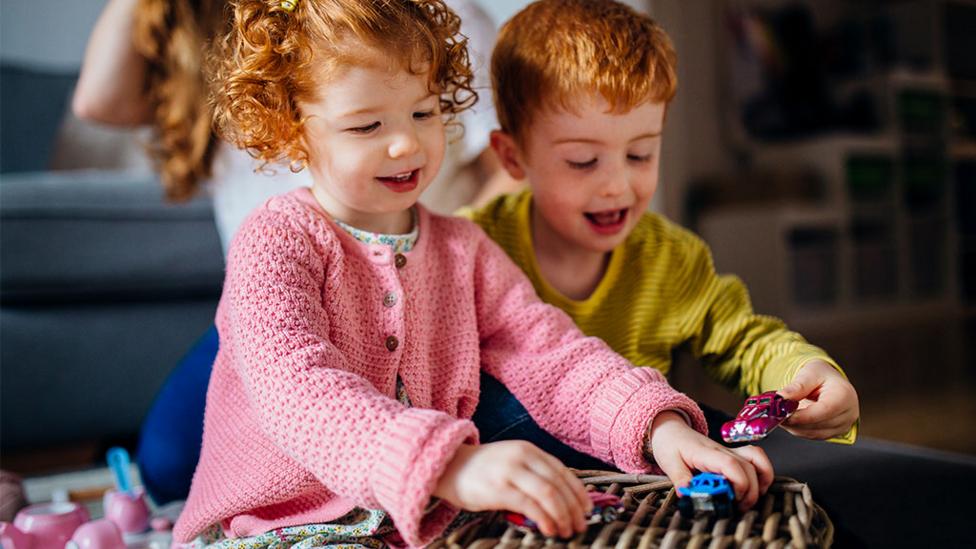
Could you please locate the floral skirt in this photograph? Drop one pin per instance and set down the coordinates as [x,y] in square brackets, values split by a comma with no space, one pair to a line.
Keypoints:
[357,529]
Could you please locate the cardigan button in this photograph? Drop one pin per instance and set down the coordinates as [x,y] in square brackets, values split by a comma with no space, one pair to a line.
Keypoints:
[400,260]
[390,299]
[392,343]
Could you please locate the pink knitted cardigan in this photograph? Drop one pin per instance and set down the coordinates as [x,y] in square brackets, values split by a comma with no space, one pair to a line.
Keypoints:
[301,422]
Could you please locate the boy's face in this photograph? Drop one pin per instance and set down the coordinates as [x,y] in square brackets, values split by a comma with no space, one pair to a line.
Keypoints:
[592,173]
[375,141]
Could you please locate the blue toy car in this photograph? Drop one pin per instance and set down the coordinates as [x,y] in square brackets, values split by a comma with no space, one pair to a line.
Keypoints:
[709,492]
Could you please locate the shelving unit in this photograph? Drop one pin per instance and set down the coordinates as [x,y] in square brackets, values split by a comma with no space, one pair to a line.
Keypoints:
[878,245]
[894,234]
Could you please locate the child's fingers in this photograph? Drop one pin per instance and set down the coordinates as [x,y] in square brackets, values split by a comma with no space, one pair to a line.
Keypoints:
[731,467]
[675,469]
[802,385]
[514,499]
[836,409]
[816,412]
[548,497]
[835,404]
[569,486]
[759,459]
[573,484]
[751,495]
[839,420]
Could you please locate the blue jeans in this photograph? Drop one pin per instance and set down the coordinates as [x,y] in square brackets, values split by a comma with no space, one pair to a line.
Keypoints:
[169,443]
[172,431]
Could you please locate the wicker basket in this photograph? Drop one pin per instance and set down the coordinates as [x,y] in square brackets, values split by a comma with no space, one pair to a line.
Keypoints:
[785,517]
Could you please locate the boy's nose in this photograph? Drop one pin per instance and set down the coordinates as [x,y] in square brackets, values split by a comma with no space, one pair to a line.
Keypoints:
[405,143]
[615,181]
[614,185]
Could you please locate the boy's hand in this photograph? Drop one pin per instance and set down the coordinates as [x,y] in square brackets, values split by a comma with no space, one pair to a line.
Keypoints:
[678,449]
[515,475]
[828,402]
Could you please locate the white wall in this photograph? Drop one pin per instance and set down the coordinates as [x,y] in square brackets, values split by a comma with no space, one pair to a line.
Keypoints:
[53,33]
[693,144]
[501,10]
[46,33]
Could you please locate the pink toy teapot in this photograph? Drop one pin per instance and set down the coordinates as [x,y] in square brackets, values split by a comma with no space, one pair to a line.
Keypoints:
[43,525]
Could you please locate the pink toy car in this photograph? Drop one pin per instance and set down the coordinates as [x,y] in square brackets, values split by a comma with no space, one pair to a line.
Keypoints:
[606,508]
[758,417]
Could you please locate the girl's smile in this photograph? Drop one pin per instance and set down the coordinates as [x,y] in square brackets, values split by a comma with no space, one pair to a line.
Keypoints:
[403,182]
[376,140]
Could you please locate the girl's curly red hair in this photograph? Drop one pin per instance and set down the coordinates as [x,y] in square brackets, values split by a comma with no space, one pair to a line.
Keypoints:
[272,59]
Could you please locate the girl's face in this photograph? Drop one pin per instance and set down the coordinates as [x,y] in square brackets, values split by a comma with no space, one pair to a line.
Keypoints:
[375,140]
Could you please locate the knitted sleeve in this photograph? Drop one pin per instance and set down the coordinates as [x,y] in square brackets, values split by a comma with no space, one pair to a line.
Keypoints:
[359,443]
[574,386]
[739,348]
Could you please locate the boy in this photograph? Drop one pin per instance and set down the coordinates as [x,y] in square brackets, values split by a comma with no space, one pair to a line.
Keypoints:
[582,109]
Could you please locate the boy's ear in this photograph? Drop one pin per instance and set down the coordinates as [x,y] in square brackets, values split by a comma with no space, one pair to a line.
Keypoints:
[508,153]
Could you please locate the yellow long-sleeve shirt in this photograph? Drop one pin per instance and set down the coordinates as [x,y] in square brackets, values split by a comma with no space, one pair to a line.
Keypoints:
[660,292]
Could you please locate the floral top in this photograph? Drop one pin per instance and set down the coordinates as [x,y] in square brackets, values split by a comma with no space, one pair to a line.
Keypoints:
[400,243]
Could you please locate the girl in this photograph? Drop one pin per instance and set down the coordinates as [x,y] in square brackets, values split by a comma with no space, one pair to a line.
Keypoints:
[354,322]
[143,65]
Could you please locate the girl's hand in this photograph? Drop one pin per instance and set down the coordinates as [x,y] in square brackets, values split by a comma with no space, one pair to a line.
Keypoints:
[678,449]
[828,402]
[514,475]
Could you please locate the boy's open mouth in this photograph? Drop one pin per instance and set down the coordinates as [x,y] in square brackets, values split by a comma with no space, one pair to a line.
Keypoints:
[401,182]
[608,221]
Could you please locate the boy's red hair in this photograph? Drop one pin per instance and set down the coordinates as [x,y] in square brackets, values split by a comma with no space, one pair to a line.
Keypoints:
[554,51]
[272,58]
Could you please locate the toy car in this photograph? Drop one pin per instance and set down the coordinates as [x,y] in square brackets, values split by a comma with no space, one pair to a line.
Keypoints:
[709,492]
[606,508]
[758,417]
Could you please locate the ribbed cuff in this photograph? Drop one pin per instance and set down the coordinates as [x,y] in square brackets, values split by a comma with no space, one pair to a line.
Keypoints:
[416,449]
[624,410]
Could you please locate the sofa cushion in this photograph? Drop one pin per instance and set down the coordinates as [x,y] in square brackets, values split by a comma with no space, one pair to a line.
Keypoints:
[89,371]
[103,235]
[103,286]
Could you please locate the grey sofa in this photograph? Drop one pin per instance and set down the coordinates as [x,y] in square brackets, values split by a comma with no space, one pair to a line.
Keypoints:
[103,286]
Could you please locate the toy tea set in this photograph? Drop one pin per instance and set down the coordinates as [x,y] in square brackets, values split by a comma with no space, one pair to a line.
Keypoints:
[64,524]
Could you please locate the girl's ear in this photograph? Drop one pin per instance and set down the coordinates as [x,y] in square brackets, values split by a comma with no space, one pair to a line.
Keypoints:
[509,154]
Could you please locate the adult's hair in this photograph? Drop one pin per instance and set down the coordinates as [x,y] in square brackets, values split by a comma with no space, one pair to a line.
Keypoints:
[173,36]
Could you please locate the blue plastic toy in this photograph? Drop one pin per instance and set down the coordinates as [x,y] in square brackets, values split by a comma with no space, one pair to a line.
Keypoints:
[708,492]
[118,462]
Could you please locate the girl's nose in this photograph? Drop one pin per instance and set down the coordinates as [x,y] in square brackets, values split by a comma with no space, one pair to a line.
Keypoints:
[405,143]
